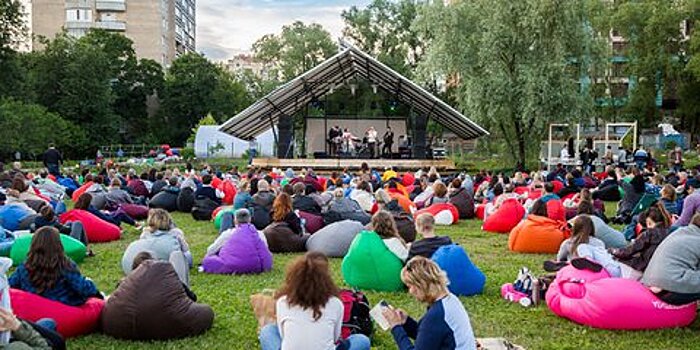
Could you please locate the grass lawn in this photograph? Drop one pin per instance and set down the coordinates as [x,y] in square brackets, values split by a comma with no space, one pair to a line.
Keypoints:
[235,328]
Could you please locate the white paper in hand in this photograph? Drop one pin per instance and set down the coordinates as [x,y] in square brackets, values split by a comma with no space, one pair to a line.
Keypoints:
[377,316]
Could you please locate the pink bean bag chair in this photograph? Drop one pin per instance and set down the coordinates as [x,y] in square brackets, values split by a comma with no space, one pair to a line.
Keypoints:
[138,212]
[95,229]
[313,222]
[599,301]
[71,321]
[444,213]
[505,218]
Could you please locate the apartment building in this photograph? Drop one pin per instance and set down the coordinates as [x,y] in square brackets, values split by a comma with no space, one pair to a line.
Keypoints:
[160,29]
[246,61]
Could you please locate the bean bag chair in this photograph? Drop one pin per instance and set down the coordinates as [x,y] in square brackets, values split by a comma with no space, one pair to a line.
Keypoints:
[537,234]
[73,248]
[151,304]
[185,200]
[406,226]
[369,264]
[444,213]
[215,182]
[313,222]
[14,217]
[95,229]
[243,253]
[69,184]
[160,247]
[407,179]
[534,194]
[229,191]
[480,211]
[596,300]
[558,185]
[521,190]
[71,321]
[644,203]
[464,203]
[138,212]
[404,202]
[334,240]
[79,191]
[281,238]
[556,210]
[219,213]
[164,200]
[609,193]
[505,218]
[465,278]
[203,209]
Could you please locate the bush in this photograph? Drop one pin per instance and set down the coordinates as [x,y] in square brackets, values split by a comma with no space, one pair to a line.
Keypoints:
[29,128]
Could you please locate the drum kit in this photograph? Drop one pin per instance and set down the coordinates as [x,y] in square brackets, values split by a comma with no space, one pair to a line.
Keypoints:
[354,147]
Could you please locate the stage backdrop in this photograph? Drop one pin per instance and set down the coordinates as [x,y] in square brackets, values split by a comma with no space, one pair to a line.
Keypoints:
[316,134]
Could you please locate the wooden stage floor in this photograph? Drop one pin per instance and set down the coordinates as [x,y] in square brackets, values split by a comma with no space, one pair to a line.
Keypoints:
[353,164]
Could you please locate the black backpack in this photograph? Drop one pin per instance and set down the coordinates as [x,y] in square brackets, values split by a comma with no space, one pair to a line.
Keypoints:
[356,319]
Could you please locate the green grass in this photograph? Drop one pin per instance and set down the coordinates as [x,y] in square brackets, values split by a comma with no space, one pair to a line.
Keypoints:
[235,328]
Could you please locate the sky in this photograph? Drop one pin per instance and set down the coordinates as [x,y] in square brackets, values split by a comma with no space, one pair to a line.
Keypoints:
[227,27]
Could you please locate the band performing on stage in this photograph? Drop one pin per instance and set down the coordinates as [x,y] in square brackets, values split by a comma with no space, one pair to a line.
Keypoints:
[343,144]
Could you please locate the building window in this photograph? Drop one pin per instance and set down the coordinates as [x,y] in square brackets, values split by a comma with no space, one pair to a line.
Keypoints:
[79,15]
[618,70]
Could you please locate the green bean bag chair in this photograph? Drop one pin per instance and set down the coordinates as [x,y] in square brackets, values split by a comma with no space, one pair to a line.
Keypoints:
[219,214]
[369,264]
[73,248]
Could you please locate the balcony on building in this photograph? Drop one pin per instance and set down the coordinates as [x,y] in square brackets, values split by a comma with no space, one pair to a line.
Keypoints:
[110,5]
[118,26]
[75,25]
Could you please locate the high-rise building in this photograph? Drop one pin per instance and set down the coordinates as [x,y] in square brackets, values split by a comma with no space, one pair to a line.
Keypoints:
[160,29]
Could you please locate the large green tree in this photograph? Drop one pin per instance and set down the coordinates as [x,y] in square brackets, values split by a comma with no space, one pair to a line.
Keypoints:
[511,63]
[384,30]
[297,49]
[12,31]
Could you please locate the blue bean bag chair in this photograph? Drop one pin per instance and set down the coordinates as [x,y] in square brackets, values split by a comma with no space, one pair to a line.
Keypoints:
[465,278]
[11,217]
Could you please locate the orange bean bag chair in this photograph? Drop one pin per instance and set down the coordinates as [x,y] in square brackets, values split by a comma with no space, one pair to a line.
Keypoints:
[77,193]
[537,234]
[444,213]
[505,218]
[71,321]
[404,202]
[96,229]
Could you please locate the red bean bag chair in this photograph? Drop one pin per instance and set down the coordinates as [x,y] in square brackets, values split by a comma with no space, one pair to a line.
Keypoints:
[480,211]
[444,213]
[323,182]
[568,196]
[505,218]
[537,234]
[313,222]
[520,190]
[534,194]
[77,193]
[229,191]
[138,212]
[215,182]
[558,185]
[95,229]
[71,321]
[407,179]
[404,202]
[555,210]
[596,300]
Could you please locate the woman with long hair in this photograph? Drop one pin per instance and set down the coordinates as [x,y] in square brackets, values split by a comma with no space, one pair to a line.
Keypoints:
[282,212]
[445,325]
[638,254]
[309,312]
[384,225]
[49,273]
[582,244]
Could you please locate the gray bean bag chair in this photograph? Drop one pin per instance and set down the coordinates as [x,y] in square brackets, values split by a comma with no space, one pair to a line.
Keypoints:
[281,238]
[151,304]
[334,240]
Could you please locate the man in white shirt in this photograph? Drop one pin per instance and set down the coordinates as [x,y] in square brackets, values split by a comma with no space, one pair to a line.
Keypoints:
[371,141]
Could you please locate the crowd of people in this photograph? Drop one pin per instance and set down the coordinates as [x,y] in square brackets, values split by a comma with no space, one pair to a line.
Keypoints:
[659,243]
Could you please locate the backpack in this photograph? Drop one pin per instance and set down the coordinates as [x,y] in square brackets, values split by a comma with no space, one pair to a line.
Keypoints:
[356,319]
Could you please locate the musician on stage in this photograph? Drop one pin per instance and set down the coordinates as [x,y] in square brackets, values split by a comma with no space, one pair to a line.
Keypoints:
[388,142]
[371,135]
[334,139]
[348,138]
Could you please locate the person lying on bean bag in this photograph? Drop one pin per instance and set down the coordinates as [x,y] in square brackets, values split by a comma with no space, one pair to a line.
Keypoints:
[15,214]
[243,253]
[96,229]
[334,240]
[151,303]
[610,236]
[537,233]
[445,213]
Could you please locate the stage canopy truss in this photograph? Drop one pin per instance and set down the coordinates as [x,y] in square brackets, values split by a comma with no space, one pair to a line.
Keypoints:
[350,63]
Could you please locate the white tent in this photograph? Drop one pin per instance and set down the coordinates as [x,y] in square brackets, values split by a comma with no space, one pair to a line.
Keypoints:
[212,143]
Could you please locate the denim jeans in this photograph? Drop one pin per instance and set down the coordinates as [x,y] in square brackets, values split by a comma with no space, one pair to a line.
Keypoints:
[47,323]
[270,339]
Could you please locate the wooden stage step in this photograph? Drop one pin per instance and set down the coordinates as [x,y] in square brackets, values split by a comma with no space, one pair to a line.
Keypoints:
[353,164]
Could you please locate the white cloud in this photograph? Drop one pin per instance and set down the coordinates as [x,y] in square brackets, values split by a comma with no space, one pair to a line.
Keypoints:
[226,27]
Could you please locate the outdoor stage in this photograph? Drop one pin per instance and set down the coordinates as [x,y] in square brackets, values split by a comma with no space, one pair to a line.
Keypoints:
[327,165]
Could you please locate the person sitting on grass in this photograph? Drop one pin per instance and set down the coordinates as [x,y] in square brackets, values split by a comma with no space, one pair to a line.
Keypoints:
[49,273]
[673,272]
[309,312]
[384,225]
[282,212]
[445,325]
[160,223]
[425,226]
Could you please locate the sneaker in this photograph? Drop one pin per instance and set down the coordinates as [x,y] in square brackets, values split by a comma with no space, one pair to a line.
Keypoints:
[554,266]
[585,264]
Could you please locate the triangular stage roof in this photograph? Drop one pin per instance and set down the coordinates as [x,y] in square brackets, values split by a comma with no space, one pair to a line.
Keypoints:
[349,63]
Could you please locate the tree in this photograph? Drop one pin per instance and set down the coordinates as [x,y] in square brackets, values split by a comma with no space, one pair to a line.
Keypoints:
[12,28]
[510,64]
[384,30]
[297,49]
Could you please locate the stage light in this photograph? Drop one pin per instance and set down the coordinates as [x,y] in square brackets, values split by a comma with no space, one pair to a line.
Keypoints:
[374,88]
